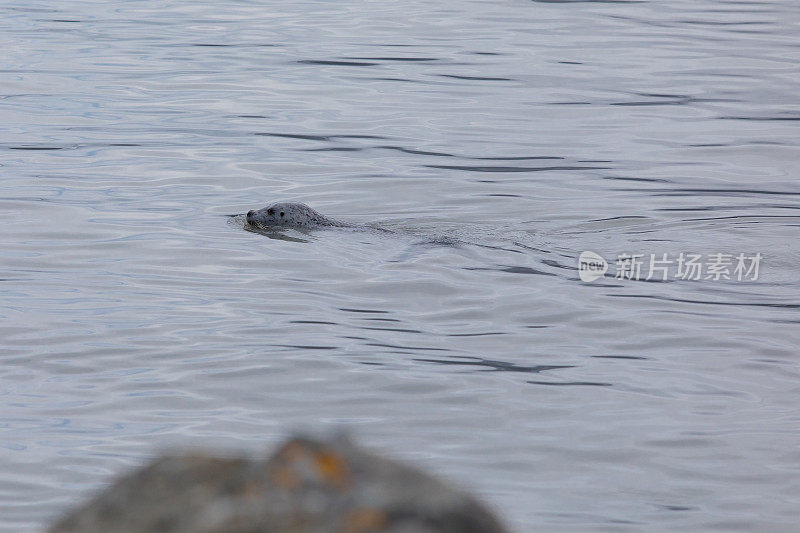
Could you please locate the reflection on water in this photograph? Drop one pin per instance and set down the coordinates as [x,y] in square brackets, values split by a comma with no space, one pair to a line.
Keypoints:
[481,147]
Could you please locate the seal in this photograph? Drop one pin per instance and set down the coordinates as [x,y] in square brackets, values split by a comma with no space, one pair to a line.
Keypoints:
[289,214]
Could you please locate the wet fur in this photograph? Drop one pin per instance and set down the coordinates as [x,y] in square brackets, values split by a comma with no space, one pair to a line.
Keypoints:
[289,214]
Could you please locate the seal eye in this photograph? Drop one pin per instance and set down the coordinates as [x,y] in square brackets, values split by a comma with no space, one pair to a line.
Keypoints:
[282,213]
[270,211]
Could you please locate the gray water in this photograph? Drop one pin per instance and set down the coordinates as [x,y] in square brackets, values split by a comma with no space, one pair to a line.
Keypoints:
[497,140]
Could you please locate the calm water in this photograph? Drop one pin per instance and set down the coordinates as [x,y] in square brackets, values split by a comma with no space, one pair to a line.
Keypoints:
[498,140]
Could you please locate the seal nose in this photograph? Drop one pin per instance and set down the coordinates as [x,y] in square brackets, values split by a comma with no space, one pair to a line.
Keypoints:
[250,216]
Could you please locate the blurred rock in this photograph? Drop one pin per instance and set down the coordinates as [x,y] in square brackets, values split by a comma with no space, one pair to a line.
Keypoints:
[309,486]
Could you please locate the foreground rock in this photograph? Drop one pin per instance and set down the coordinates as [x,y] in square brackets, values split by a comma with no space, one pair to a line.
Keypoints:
[308,486]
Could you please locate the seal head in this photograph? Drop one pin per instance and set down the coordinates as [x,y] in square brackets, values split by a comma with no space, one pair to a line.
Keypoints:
[288,214]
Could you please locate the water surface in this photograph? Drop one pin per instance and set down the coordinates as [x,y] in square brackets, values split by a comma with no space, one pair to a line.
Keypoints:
[497,140]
